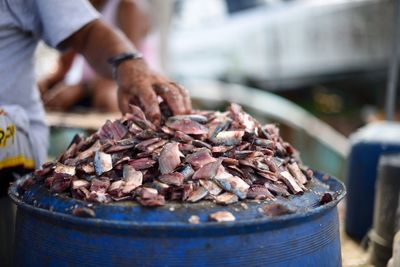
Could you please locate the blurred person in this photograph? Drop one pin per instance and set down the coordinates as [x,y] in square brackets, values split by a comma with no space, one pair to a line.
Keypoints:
[63,25]
[74,82]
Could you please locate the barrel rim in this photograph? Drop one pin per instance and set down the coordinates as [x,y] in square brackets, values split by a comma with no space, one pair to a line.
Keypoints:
[270,222]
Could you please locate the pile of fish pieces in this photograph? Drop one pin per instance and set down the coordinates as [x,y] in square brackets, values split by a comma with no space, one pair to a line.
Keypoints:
[220,156]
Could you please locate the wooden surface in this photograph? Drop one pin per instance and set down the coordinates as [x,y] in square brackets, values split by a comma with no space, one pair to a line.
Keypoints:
[84,120]
[353,255]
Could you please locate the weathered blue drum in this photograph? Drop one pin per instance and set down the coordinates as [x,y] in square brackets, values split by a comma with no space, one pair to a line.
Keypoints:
[127,234]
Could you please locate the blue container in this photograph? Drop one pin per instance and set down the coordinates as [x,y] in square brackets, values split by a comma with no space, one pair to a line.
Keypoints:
[367,144]
[131,235]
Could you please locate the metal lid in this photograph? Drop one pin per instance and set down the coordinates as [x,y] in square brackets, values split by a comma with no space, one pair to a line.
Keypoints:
[378,132]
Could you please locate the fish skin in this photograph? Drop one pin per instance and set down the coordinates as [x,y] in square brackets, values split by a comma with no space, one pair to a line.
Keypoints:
[208,171]
[181,136]
[116,188]
[275,209]
[102,162]
[226,198]
[297,173]
[64,169]
[200,158]
[259,192]
[288,179]
[169,158]
[186,170]
[242,117]
[187,126]
[132,179]
[229,138]
[231,183]
[222,216]
[80,183]
[112,130]
[212,187]
[174,178]
[150,197]
[197,194]
[153,147]
[90,151]
[142,163]
[99,185]
[144,144]
[193,117]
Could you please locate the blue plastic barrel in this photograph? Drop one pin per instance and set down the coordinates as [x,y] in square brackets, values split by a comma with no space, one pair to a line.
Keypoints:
[367,144]
[130,235]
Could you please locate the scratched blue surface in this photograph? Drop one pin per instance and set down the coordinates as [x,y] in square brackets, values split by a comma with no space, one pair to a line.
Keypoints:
[131,235]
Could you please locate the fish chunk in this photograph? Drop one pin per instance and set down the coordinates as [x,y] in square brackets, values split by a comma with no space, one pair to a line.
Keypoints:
[211,187]
[229,138]
[175,178]
[264,143]
[288,179]
[231,183]
[326,198]
[197,194]
[142,164]
[278,189]
[200,158]
[112,130]
[259,192]
[275,209]
[64,169]
[297,173]
[132,178]
[226,198]
[150,197]
[192,117]
[84,212]
[99,185]
[116,188]
[102,162]
[144,144]
[194,219]
[169,158]
[80,183]
[222,216]
[186,126]
[186,170]
[242,117]
[208,171]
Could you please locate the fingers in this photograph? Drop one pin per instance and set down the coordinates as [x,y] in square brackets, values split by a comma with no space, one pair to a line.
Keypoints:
[186,98]
[147,100]
[173,96]
[123,101]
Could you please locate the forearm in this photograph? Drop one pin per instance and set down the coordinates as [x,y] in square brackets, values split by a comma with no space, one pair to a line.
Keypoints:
[97,42]
[63,66]
[137,84]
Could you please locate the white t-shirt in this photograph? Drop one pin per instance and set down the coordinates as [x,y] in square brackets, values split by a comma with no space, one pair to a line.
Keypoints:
[23,23]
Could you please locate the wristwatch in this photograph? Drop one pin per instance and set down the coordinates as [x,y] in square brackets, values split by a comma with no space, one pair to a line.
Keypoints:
[118,59]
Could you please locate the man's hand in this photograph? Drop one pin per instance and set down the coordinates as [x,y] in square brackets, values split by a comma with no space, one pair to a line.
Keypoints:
[138,85]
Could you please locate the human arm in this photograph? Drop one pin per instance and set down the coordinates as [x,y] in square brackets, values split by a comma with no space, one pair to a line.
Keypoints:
[133,19]
[137,84]
[63,65]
